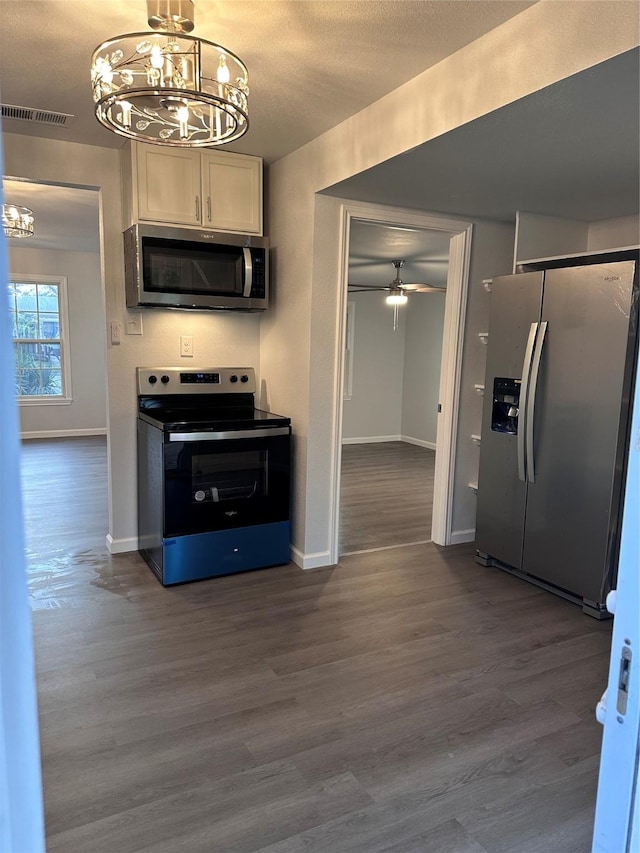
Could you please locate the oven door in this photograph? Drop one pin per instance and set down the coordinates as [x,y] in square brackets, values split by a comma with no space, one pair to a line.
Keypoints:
[223,480]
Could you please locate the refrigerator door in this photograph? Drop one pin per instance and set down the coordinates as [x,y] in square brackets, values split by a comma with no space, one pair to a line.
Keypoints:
[515,307]
[580,416]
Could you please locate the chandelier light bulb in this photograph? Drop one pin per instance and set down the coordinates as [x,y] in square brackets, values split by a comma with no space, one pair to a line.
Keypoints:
[183,117]
[223,70]
[155,57]
[126,113]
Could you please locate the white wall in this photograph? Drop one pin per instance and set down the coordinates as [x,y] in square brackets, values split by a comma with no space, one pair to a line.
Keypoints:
[396,375]
[87,413]
[613,233]
[375,408]
[422,357]
[539,236]
[539,47]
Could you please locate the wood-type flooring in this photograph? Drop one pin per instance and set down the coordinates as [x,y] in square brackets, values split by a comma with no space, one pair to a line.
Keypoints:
[405,701]
[386,495]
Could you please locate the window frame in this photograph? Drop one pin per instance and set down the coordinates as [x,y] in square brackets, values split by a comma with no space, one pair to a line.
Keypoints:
[60,281]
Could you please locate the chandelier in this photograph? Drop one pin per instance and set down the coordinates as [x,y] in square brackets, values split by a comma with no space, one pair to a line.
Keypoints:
[167,87]
[17,221]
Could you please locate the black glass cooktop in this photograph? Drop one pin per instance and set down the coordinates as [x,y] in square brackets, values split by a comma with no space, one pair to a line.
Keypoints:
[203,418]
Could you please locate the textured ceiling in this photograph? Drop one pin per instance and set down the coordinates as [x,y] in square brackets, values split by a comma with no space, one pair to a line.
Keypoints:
[312,63]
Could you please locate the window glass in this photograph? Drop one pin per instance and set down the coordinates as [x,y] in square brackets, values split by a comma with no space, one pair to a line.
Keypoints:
[35,309]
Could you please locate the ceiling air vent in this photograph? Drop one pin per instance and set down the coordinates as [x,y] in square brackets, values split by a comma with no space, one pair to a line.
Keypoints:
[9,111]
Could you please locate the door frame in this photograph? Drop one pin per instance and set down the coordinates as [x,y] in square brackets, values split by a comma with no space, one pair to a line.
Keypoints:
[460,232]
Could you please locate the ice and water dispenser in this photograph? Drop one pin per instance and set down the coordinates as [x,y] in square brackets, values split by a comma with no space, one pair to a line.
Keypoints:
[506,405]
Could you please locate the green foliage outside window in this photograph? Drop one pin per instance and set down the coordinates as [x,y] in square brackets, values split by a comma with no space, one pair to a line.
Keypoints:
[35,317]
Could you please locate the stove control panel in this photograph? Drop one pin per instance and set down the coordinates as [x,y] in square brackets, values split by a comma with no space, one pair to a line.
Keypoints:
[209,380]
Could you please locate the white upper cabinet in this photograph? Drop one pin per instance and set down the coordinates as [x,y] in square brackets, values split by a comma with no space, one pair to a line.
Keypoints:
[168,185]
[215,189]
[232,192]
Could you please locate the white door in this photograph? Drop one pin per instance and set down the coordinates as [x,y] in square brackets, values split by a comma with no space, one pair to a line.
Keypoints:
[617,823]
[21,814]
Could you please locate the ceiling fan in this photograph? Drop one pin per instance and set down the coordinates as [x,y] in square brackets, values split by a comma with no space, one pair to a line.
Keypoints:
[397,290]
[397,287]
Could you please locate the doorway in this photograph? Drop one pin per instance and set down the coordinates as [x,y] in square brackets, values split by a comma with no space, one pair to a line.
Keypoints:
[63,425]
[391,384]
[458,233]
[65,249]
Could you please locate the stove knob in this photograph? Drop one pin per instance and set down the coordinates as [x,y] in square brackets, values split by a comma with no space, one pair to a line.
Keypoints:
[233,378]
[164,379]
[244,378]
[153,379]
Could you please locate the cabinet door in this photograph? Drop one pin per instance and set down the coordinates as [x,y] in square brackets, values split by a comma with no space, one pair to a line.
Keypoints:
[232,192]
[168,185]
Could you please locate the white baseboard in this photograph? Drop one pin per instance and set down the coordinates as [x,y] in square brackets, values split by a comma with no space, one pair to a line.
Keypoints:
[372,439]
[121,546]
[460,536]
[319,560]
[430,445]
[379,439]
[63,433]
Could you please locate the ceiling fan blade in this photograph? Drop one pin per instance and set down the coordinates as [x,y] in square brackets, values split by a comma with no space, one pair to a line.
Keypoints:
[423,288]
[362,288]
[369,286]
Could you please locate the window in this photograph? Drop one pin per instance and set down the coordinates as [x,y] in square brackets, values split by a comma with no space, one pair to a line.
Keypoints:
[38,313]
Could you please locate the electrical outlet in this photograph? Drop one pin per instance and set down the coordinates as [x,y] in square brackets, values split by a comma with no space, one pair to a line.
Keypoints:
[116,332]
[186,346]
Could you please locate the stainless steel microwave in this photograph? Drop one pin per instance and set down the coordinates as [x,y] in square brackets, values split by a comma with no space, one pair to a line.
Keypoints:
[167,267]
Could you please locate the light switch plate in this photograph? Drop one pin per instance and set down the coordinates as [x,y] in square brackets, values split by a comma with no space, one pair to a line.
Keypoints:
[134,323]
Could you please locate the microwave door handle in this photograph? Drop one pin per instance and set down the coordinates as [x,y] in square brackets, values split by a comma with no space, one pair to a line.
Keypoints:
[248,272]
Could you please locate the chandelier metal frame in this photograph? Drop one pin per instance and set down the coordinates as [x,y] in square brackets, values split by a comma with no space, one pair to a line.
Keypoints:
[17,221]
[168,87]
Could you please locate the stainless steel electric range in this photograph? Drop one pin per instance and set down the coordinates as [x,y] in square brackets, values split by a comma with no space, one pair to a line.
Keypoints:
[213,474]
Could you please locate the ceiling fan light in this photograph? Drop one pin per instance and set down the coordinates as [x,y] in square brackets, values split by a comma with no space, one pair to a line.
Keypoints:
[397,299]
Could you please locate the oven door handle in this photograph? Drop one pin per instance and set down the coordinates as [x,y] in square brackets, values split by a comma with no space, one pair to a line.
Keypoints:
[228,434]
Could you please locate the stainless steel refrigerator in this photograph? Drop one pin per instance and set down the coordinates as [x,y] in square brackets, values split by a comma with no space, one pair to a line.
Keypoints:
[560,367]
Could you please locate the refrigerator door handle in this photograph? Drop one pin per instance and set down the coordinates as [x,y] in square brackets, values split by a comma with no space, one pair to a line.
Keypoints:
[531,400]
[524,385]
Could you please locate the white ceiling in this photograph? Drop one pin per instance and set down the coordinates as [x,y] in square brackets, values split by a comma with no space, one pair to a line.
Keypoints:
[373,247]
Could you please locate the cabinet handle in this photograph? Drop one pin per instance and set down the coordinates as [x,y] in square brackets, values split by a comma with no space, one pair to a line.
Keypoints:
[209,208]
[198,207]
